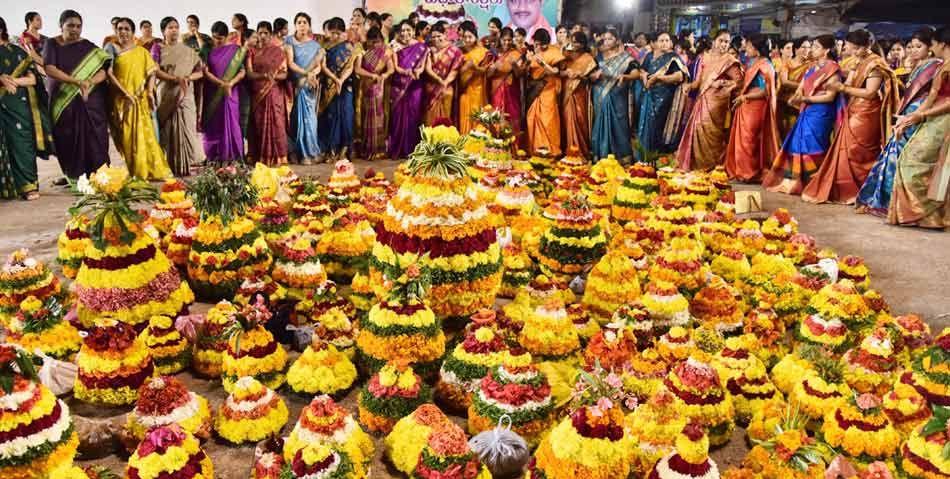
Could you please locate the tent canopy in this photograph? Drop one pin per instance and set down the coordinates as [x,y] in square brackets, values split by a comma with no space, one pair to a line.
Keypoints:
[919,11]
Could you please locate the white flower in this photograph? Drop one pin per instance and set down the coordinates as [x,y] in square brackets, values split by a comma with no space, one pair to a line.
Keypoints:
[84,186]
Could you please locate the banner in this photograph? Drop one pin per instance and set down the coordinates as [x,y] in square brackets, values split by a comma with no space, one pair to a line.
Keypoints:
[527,14]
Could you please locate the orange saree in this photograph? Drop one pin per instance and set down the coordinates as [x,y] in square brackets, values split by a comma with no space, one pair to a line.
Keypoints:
[703,144]
[864,129]
[472,94]
[754,139]
[543,118]
[438,97]
[575,106]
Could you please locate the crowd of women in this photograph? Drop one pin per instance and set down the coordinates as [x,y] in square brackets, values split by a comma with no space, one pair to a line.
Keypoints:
[830,121]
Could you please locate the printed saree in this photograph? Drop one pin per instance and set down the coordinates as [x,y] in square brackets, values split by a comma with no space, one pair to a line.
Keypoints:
[703,144]
[439,98]
[754,136]
[373,109]
[304,116]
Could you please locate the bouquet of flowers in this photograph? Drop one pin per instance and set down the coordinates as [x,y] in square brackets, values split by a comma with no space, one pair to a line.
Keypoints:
[252,350]
[323,421]
[164,400]
[169,451]
[251,413]
[390,395]
[170,351]
[113,363]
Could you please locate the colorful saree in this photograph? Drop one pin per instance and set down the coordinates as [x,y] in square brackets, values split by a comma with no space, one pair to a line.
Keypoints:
[177,110]
[506,89]
[133,129]
[543,119]
[80,127]
[805,146]
[335,125]
[875,194]
[472,93]
[662,105]
[439,98]
[789,112]
[703,145]
[373,109]
[611,132]
[406,101]
[24,126]
[268,140]
[575,105]
[754,136]
[223,141]
[304,116]
[865,127]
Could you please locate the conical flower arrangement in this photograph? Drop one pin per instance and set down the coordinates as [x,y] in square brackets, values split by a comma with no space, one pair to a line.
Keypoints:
[211,342]
[321,369]
[164,400]
[635,193]
[390,395]
[169,451]
[574,241]
[251,413]
[173,204]
[427,444]
[252,350]
[521,393]
[170,351]
[113,363]
[71,245]
[611,284]
[21,277]
[40,325]
[323,421]
[320,461]
[436,211]
[296,265]
[346,245]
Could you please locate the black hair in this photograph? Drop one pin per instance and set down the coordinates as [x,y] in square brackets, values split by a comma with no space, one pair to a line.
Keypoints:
[127,21]
[372,16]
[195,18]
[541,36]
[416,16]
[798,42]
[4,35]
[581,37]
[280,23]
[651,37]
[924,35]
[521,31]
[242,18]
[942,35]
[145,22]
[165,21]
[304,15]
[685,32]
[361,10]
[612,31]
[384,16]
[565,26]
[703,44]
[420,26]
[468,26]
[336,23]
[374,33]
[506,31]
[721,32]
[29,17]
[827,41]
[496,22]
[219,28]
[759,42]
[439,27]
[66,15]
[265,24]
[114,20]
[861,38]
[635,35]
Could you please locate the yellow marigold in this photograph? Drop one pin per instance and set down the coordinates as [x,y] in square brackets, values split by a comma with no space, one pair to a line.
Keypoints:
[31,304]
[109,180]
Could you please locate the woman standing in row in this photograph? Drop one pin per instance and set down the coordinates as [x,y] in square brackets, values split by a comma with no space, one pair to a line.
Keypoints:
[443,65]
[223,141]
[133,131]
[374,66]
[754,136]
[543,95]
[266,67]
[504,76]
[179,67]
[406,91]
[575,100]
[305,60]
[617,68]
[661,107]
[335,125]
[790,76]
[875,195]
[472,81]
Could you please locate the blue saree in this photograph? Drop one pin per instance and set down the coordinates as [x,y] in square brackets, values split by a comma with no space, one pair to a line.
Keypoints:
[304,141]
[611,130]
[337,113]
[661,106]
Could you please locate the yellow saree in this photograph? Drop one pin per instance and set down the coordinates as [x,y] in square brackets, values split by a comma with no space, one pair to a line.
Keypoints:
[133,127]
[472,93]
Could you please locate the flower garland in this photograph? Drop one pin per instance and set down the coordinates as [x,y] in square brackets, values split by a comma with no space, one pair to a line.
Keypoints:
[251,413]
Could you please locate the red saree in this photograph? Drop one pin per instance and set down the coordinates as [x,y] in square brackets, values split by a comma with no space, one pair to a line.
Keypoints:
[268,108]
[704,140]
[862,132]
[373,113]
[439,98]
[575,105]
[506,89]
[753,138]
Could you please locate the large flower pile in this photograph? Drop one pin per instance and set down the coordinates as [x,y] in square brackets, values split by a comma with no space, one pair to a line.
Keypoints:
[164,400]
[390,395]
[113,363]
[169,451]
[573,241]
[611,284]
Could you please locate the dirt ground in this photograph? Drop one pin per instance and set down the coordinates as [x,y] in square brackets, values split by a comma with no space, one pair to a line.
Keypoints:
[910,267]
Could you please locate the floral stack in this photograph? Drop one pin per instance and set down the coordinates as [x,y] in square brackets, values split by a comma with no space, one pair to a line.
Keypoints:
[611,284]
[320,461]
[113,363]
[402,328]
[635,193]
[872,366]
[906,408]
[521,393]
[252,349]
[834,316]
[718,305]
[787,451]
[263,285]
[323,421]
[311,201]
[930,371]
[427,444]
[602,182]
[924,455]
[251,413]
[680,263]
[71,245]
[821,388]
[164,400]
[22,277]
[211,342]
[344,184]
[519,271]
[178,241]
[390,395]
[860,428]
[701,397]
[38,325]
[655,425]
[548,333]
[667,307]
[38,437]
[515,196]
[574,241]
[345,247]
[690,459]
[321,369]
[779,227]
[173,204]
[852,268]
[751,390]
[272,219]
[436,211]
[227,246]
[613,348]
[296,265]
[170,350]
[169,451]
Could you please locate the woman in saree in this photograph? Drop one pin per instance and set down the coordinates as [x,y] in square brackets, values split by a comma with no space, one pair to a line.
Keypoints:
[866,125]
[617,69]
[406,89]
[223,141]
[266,68]
[922,180]
[806,144]
[875,194]
[179,67]
[754,136]
[24,124]
[472,77]
[356,33]
[543,120]
[305,59]
[75,68]
[575,99]
[374,66]
[133,131]
[442,68]
[32,41]
[703,145]
[661,106]
[336,125]
[505,81]
[789,78]
[146,40]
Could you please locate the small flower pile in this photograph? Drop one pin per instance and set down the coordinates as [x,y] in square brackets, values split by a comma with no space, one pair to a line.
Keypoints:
[23,277]
[113,364]
[701,397]
[164,400]
[521,393]
[427,444]
[611,284]
[548,333]
[519,271]
[325,422]
[390,395]
[251,413]
[71,245]
[320,461]
[252,350]
[169,451]
[211,341]
[635,193]
[296,266]
[344,184]
[345,247]
[170,351]
[574,241]
[39,325]
[173,204]
[691,459]
[321,369]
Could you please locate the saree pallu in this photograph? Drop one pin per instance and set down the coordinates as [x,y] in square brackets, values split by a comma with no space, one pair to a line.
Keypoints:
[472,95]
[575,106]
[23,130]
[336,122]
[406,94]
[222,115]
[80,127]
[805,146]
[268,140]
[611,131]
[661,106]
[506,90]
[133,128]
[373,110]
[304,115]
[875,194]
[439,98]
[703,145]
[920,182]
[788,112]
[863,130]
[177,110]
[754,135]
[543,119]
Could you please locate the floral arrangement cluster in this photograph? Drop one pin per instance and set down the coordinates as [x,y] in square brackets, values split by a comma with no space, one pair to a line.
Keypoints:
[113,364]
[296,265]
[173,205]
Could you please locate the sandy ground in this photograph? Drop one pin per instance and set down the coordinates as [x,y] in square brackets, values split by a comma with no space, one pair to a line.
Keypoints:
[910,267]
